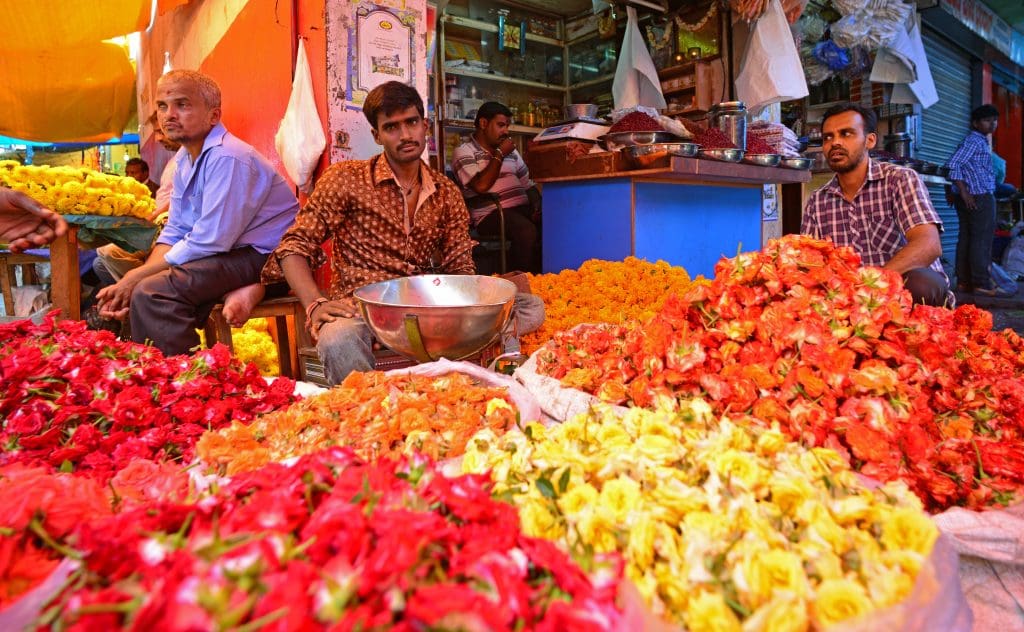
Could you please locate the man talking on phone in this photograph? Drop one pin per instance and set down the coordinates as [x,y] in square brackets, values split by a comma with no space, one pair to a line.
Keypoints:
[488,165]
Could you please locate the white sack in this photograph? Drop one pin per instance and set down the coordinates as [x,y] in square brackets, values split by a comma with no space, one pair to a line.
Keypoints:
[636,79]
[300,140]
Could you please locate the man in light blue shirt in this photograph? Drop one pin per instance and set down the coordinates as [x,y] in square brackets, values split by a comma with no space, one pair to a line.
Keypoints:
[228,211]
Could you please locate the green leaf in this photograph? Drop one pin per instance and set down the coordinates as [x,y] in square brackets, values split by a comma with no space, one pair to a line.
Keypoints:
[67,466]
[545,487]
[563,481]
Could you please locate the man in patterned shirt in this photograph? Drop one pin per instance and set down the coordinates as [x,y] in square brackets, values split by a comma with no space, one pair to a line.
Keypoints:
[974,185]
[880,210]
[487,165]
[387,217]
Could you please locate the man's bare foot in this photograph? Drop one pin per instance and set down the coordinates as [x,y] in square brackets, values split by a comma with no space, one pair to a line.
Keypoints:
[238,304]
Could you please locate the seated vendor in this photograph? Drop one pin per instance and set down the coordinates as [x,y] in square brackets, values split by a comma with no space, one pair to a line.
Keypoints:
[880,210]
[387,217]
[488,165]
[228,212]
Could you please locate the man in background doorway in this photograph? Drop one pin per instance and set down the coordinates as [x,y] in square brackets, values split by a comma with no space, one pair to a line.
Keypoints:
[139,169]
[487,165]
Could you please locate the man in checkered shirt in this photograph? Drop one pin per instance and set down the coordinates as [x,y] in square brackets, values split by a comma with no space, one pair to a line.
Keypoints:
[880,210]
[974,185]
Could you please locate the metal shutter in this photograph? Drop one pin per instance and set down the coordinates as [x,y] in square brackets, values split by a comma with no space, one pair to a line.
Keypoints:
[945,124]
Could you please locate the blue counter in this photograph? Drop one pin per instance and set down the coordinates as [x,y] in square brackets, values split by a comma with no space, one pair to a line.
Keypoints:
[689,214]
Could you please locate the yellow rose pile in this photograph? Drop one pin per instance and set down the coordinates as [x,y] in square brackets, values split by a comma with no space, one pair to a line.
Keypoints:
[78,191]
[723,525]
[603,292]
[253,343]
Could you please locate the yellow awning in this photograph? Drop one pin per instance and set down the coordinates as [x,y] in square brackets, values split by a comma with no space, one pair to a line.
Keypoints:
[61,82]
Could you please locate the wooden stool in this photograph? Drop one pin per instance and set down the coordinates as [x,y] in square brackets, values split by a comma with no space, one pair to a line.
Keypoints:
[8,262]
[281,310]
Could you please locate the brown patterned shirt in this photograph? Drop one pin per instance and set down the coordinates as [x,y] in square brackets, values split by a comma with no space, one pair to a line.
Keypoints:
[358,204]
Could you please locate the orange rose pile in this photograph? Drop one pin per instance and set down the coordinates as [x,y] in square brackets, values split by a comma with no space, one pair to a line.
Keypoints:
[603,292]
[376,414]
[802,336]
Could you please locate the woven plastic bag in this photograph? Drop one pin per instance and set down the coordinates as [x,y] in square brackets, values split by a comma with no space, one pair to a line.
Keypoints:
[300,140]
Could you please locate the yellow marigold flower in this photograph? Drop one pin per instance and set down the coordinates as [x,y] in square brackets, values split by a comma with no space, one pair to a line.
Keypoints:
[641,541]
[784,613]
[620,496]
[771,441]
[774,570]
[908,530]
[577,498]
[838,600]
[537,520]
[597,529]
[890,587]
[733,465]
[708,612]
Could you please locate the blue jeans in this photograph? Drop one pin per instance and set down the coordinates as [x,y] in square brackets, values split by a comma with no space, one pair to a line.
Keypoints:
[974,245]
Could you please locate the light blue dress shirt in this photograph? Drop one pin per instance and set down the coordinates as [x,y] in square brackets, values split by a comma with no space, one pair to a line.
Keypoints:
[229,198]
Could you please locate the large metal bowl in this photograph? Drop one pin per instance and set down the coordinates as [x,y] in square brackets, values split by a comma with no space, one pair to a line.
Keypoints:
[656,155]
[580,111]
[725,155]
[437,316]
[765,160]
[615,140]
[796,163]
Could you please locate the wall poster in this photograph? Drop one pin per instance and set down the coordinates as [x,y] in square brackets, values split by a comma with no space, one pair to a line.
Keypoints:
[384,49]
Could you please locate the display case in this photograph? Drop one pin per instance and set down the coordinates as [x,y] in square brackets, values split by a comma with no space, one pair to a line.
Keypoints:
[489,51]
[591,62]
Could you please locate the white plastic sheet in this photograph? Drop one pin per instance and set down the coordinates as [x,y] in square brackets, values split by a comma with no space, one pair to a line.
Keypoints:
[300,140]
[771,70]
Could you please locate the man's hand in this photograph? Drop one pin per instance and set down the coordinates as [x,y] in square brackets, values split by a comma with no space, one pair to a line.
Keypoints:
[330,311]
[506,145]
[114,301]
[968,199]
[25,223]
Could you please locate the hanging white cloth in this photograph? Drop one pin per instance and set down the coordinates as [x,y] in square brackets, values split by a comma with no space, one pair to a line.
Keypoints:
[636,78]
[300,140]
[923,90]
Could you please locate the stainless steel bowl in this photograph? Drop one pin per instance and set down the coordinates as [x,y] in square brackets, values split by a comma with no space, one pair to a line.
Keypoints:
[437,316]
[580,110]
[765,160]
[656,155]
[616,140]
[796,163]
[725,155]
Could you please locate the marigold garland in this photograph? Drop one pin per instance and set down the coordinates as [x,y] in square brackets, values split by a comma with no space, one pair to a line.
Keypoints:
[79,191]
[377,414]
[603,292]
[724,524]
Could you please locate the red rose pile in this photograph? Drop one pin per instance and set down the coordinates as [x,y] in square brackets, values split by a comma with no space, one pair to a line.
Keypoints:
[801,335]
[331,542]
[83,401]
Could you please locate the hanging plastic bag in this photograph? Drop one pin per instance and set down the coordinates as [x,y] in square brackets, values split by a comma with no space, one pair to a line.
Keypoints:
[636,79]
[771,70]
[300,140]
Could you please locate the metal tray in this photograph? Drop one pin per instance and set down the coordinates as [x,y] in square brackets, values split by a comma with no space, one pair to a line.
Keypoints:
[724,155]
[765,160]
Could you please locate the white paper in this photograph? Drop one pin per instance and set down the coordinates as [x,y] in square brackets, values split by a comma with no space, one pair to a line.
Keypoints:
[771,70]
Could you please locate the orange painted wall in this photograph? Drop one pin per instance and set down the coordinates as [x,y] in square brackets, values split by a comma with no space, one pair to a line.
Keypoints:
[1009,134]
[253,64]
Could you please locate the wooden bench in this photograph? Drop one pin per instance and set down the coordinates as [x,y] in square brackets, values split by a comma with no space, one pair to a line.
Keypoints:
[289,321]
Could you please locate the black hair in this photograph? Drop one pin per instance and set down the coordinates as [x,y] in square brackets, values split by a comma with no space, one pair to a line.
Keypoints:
[388,98]
[983,112]
[866,114]
[137,161]
[489,110]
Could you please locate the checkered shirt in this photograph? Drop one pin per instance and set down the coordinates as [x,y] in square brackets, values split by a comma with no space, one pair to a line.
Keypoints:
[892,201]
[972,163]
